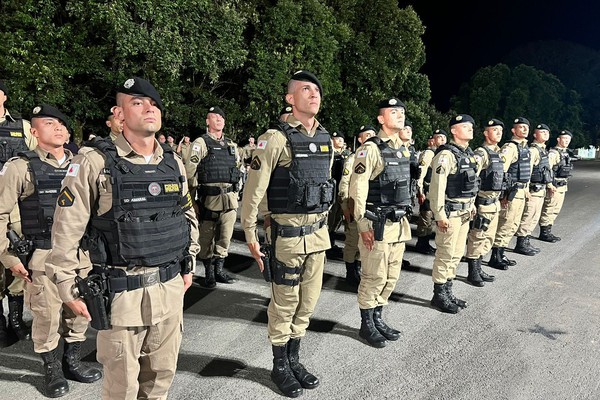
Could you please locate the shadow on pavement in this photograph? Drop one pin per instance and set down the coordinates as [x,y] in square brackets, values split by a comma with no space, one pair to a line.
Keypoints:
[407,299]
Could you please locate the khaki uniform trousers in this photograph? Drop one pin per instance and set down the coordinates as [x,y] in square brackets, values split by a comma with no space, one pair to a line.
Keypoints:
[140,362]
[351,252]
[510,218]
[380,272]
[215,236]
[552,207]
[424,220]
[51,320]
[291,307]
[479,241]
[9,284]
[531,213]
[450,248]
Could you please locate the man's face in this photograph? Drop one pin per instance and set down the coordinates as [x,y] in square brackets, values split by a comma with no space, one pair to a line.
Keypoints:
[338,142]
[364,136]
[406,133]
[251,141]
[520,130]
[115,126]
[3,98]
[541,135]
[215,122]
[392,118]
[50,132]
[186,139]
[563,141]
[305,98]
[493,134]
[170,139]
[439,140]
[162,139]
[140,115]
[463,131]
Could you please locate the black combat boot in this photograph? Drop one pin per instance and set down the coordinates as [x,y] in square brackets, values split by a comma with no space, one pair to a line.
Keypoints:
[528,244]
[368,330]
[423,246]
[55,384]
[510,263]
[546,234]
[74,369]
[209,274]
[441,301]
[460,303]
[220,275]
[15,318]
[405,263]
[282,374]
[474,278]
[386,331]
[4,338]
[496,260]
[522,247]
[352,274]
[306,379]
[485,276]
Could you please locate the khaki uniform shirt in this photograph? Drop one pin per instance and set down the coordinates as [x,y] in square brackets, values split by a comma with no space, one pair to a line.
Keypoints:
[344,189]
[92,192]
[271,151]
[425,159]
[30,140]
[221,202]
[113,136]
[368,164]
[553,160]
[247,153]
[186,150]
[483,162]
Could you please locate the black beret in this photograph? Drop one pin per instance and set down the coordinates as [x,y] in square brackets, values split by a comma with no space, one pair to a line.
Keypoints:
[494,122]
[216,110]
[390,103]
[430,137]
[285,110]
[305,76]
[3,88]
[365,128]
[407,123]
[439,132]
[338,134]
[542,126]
[139,87]
[521,120]
[46,110]
[565,132]
[461,118]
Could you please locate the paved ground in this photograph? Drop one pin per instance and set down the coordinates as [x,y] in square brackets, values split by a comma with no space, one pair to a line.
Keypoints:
[532,334]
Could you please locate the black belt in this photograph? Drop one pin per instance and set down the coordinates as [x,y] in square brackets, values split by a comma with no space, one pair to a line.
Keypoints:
[297,231]
[560,183]
[214,190]
[133,282]
[536,187]
[520,185]
[457,206]
[483,201]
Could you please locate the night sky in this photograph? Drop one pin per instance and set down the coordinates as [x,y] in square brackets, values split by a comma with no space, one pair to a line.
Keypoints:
[463,36]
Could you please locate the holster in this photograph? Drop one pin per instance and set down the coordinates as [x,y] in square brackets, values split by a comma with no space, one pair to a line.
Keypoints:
[267,259]
[94,290]
[480,222]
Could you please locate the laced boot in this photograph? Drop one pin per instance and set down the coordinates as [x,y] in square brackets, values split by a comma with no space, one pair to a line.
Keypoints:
[209,274]
[15,318]
[55,384]
[510,263]
[423,246]
[546,234]
[522,247]
[4,337]
[306,379]
[382,327]
[474,278]
[496,261]
[441,301]
[485,276]
[528,244]
[220,275]
[352,274]
[282,374]
[74,369]
[368,330]
[460,303]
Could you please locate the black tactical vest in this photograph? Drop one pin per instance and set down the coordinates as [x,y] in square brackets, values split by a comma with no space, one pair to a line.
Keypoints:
[392,186]
[337,169]
[541,173]
[493,176]
[12,139]
[220,164]
[37,210]
[305,186]
[415,172]
[464,182]
[520,170]
[146,225]
[564,166]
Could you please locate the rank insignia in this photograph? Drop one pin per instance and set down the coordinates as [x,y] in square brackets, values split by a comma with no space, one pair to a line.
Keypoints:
[360,168]
[346,172]
[66,198]
[440,170]
[194,159]
[255,164]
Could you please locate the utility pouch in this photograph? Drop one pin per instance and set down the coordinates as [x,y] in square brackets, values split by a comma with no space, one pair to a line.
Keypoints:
[480,222]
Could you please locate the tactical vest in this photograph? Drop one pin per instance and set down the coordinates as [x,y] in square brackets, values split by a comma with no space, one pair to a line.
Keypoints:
[12,139]
[37,210]
[564,166]
[415,172]
[520,170]
[541,173]
[392,186]
[304,187]
[337,168]
[146,225]
[464,182]
[220,164]
[493,176]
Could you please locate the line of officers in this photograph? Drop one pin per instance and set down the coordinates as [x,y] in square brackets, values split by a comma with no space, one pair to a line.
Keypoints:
[134,212]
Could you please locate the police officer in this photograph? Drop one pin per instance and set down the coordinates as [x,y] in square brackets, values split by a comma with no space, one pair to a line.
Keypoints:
[32,181]
[130,199]
[213,171]
[340,155]
[351,252]
[484,225]
[291,168]
[115,126]
[380,190]
[184,149]
[561,164]
[454,185]
[516,157]
[425,219]
[541,179]
[171,142]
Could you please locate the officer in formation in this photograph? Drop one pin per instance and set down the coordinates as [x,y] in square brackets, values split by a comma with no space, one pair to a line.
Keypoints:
[351,252]
[32,181]
[130,199]
[213,171]
[561,163]
[291,168]
[171,142]
[541,180]
[380,192]
[15,137]
[340,155]
[115,126]
[184,148]
[454,186]
[425,218]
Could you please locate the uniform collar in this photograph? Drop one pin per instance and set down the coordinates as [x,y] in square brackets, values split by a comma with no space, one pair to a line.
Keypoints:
[7,116]
[295,123]
[397,142]
[458,145]
[44,155]
[124,149]
[542,145]
[213,137]
[522,141]
[493,147]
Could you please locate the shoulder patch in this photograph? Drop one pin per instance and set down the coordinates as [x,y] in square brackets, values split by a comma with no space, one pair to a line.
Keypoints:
[360,168]
[194,158]
[66,198]
[346,172]
[196,147]
[440,170]
[262,144]
[73,170]
[443,160]
[362,153]
[255,164]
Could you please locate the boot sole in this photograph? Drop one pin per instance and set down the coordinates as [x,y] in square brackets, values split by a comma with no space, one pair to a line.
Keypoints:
[377,345]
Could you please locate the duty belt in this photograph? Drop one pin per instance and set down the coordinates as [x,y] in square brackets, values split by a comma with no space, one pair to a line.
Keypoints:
[214,190]
[536,187]
[560,183]
[520,185]
[485,201]
[457,206]
[133,282]
[297,231]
